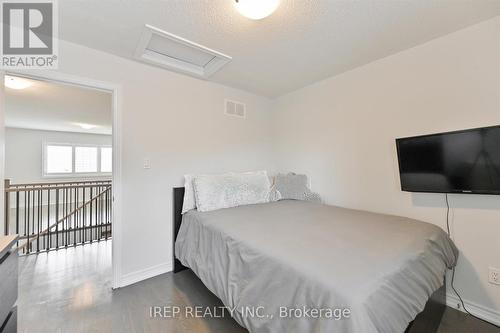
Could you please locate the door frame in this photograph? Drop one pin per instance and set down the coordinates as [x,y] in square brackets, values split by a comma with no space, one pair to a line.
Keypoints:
[115,90]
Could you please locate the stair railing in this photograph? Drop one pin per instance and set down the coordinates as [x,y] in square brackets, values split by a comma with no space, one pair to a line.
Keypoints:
[56,215]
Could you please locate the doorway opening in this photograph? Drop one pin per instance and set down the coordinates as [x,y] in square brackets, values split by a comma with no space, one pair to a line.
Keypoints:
[59,165]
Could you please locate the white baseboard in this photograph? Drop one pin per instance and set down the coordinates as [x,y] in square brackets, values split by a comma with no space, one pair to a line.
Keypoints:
[144,274]
[480,311]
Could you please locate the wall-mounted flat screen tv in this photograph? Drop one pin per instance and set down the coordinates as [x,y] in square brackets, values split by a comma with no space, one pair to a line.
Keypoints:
[455,162]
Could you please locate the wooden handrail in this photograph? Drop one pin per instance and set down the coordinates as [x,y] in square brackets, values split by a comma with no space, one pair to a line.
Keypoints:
[79,228]
[57,183]
[27,189]
[76,210]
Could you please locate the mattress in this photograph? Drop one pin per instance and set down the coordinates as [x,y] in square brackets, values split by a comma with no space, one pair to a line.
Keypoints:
[360,271]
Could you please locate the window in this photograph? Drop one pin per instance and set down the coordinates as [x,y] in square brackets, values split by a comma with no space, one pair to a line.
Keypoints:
[77,160]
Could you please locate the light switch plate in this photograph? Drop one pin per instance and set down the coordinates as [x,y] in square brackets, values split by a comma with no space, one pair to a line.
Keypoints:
[147,163]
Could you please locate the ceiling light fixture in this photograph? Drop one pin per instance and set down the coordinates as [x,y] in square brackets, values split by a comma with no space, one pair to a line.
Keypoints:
[17,83]
[256,9]
[87,126]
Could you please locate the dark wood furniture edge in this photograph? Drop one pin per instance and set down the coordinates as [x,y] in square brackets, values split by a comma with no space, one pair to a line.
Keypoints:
[9,268]
[178,197]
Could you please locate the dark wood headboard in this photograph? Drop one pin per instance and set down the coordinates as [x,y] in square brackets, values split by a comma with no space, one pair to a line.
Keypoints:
[178,201]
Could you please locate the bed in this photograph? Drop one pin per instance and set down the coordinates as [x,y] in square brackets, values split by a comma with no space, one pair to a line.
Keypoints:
[388,271]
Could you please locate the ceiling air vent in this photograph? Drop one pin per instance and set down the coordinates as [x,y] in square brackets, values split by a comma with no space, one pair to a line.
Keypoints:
[234,108]
[164,49]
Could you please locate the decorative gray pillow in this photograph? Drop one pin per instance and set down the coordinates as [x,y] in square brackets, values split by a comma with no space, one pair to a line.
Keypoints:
[313,196]
[295,187]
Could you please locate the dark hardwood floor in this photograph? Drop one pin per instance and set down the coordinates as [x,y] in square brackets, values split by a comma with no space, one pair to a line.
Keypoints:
[70,291]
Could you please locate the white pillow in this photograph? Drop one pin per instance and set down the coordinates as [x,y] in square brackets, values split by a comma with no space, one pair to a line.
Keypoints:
[230,190]
[189,199]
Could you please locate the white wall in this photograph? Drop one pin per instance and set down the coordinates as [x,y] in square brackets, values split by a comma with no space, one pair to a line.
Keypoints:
[341,132]
[179,124]
[24,151]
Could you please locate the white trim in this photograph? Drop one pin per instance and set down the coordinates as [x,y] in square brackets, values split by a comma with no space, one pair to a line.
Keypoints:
[144,274]
[480,311]
[115,89]
[117,187]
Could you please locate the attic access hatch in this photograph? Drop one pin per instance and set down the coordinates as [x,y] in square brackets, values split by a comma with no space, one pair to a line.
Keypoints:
[167,50]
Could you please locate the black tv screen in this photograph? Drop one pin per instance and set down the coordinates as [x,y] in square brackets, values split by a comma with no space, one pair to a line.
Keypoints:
[454,162]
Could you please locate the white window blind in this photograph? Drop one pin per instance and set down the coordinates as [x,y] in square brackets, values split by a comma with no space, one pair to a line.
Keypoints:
[106,159]
[59,159]
[85,159]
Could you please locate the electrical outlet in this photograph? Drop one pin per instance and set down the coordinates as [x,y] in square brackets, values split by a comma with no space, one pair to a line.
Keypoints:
[494,275]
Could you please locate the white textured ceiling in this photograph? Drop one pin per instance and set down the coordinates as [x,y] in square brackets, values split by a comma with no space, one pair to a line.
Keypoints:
[302,42]
[58,107]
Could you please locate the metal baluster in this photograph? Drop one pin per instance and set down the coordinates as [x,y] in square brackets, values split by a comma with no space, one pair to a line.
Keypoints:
[106,215]
[94,210]
[99,230]
[32,226]
[75,218]
[84,217]
[80,215]
[80,219]
[27,230]
[82,225]
[97,213]
[70,218]
[57,218]
[110,207]
[103,212]
[65,214]
[25,216]
[66,218]
[39,215]
[49,242]
[91,211]
[99,205]
[108,219]
[61,198]
[33,220]
[17,214]
[7,207]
